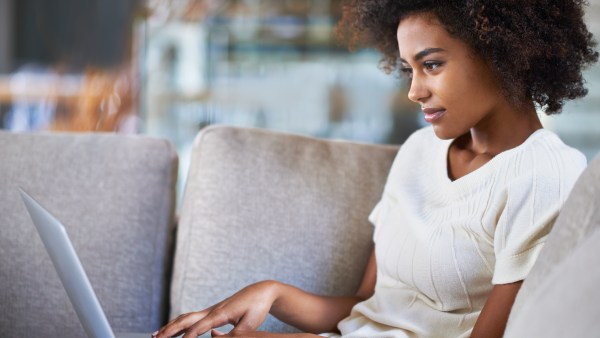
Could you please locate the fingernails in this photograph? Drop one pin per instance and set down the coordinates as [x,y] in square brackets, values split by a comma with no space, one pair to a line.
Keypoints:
[155,334]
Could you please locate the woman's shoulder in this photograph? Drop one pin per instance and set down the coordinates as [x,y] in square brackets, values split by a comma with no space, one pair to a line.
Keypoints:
[420,150]
[545,159]
[546,148]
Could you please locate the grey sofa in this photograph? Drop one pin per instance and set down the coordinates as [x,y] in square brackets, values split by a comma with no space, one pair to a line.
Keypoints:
[257,205]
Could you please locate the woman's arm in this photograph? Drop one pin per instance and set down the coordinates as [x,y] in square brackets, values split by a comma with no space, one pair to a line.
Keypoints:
[318,314]
[494,316]
[247,309]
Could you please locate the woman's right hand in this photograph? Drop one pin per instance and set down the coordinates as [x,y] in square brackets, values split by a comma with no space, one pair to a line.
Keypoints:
[246,310]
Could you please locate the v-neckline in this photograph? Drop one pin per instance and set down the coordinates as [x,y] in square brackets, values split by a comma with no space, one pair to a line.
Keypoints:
[479,173]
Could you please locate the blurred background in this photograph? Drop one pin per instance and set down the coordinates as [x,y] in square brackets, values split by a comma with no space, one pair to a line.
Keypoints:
[171,67]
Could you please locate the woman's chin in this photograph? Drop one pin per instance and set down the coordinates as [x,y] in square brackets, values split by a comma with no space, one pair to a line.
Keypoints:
[444,133]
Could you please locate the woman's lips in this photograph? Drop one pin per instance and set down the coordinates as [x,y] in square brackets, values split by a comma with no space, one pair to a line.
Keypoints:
[433,114]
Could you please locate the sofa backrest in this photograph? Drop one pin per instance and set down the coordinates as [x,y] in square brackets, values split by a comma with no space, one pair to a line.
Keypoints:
[560,297]
[265,205]
[115,196]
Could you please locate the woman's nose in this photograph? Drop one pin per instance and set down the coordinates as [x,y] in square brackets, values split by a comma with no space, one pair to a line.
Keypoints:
[418,90]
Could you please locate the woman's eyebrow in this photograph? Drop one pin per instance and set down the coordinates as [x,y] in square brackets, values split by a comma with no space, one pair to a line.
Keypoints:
[425,52]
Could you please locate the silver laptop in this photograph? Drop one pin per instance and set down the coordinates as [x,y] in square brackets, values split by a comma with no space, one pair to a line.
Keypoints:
[71,273]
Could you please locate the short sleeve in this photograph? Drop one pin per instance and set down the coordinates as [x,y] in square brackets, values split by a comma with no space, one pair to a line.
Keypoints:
[375,214]
[378,213]
[533,202]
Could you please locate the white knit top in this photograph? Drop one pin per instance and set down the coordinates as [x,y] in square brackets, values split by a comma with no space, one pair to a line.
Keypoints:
[441,244]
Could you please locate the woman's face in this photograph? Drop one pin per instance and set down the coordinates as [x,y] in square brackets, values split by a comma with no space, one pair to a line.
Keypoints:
[456,89]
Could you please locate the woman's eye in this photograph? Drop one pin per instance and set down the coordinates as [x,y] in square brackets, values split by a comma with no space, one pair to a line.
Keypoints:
[406,71]
[431,65]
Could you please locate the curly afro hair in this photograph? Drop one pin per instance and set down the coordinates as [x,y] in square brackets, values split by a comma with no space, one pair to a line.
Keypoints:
[538,48]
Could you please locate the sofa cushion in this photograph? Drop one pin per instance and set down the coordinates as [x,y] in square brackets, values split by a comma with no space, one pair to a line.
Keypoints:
[115,196]
[560,291]
[264,205]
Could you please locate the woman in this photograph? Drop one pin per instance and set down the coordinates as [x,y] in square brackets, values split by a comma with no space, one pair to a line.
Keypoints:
[469,201]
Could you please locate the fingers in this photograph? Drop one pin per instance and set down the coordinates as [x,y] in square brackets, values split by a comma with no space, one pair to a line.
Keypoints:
[180,324]
[214,319]
[246,310]
[194,324]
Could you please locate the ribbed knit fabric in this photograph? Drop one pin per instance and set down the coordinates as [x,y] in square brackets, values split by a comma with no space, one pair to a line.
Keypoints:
[441,245]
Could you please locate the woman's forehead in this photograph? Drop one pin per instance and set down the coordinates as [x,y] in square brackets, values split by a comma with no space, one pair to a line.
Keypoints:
[422,31]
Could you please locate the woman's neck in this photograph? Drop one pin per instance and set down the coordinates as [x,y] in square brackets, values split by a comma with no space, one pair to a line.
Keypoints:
[506,130]
[489,138]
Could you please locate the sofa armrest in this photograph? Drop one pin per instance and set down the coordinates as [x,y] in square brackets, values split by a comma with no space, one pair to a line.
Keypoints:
[559,297]
[115,196]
